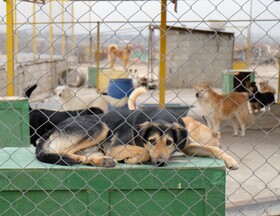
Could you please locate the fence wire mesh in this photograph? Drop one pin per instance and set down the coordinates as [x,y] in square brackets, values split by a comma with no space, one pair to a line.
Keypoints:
[214,61]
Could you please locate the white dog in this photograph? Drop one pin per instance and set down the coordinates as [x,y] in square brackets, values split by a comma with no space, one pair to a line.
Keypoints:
[69,100]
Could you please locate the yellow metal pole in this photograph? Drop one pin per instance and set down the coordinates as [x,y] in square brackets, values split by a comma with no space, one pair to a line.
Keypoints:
[51,33]
[10,47]
[97,55]
[278,96]
[73,29]
[162,66]
[15,33]
[34,33]
[62,27]
[90,35]
[248,45]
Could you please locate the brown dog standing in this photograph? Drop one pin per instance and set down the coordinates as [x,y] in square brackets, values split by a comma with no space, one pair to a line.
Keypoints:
[217,107]
[114,52]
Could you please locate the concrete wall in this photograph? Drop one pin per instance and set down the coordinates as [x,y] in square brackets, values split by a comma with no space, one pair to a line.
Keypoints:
[45,73]
[197,56]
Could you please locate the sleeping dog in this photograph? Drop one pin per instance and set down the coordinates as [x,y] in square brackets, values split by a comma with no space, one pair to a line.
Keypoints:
[132,136]
[41,120]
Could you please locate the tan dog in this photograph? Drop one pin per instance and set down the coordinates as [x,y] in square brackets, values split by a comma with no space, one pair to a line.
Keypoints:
[218,107]
[114,52]
[204,142]
[265,87]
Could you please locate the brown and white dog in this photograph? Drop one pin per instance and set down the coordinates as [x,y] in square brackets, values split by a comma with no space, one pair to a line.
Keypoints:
[115,52]
[217,107]
[265,87]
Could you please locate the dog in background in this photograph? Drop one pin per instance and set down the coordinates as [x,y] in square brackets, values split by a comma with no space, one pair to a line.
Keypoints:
[265,87]
[259,99]
[42,120]
[115,52]
[217,107]
[70,101]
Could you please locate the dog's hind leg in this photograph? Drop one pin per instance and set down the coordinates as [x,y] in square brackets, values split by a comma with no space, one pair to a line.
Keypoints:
[94,158]
[129,154]
[101,160]
[112,61]
[235,125]
[216,123]
[124,63]
[210,151]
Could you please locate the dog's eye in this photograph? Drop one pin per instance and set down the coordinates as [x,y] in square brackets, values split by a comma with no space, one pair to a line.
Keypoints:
[169,142]
[152,141]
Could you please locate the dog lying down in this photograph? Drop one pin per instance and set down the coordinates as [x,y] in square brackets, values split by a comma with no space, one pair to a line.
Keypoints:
[69,100]
[134,137]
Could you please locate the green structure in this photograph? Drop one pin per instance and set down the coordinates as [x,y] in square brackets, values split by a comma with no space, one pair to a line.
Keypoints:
[14,122]
[235,80]
[187,186]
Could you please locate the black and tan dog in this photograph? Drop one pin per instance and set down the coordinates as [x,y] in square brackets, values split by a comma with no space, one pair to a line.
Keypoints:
[132,136]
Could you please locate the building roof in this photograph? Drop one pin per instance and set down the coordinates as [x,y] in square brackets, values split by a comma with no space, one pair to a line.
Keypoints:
[201,30]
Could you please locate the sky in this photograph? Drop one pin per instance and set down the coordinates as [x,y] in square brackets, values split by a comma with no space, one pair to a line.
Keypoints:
[114,15]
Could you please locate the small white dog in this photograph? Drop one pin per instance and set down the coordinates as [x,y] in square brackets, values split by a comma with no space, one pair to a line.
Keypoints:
[69,100]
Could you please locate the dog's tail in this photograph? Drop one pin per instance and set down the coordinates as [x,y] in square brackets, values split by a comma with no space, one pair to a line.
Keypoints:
[112,49]
[29,90]
[52,158]
[114,101]
[134,95]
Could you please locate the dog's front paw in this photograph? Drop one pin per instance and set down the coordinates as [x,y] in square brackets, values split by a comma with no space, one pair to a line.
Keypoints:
[235,135]
[108,162]
[231,163]
[132,160]
[82,159]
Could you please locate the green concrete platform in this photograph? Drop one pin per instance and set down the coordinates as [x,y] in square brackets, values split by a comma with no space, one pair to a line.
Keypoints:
[187,186]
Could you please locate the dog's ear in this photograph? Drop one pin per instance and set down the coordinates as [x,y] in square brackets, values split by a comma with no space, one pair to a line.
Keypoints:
[180,135]
[140,134]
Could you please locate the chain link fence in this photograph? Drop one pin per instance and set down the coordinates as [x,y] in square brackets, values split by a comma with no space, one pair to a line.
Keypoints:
[169,47]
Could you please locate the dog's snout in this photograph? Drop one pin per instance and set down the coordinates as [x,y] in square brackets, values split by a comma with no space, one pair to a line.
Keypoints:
[160,162]
[197,95]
